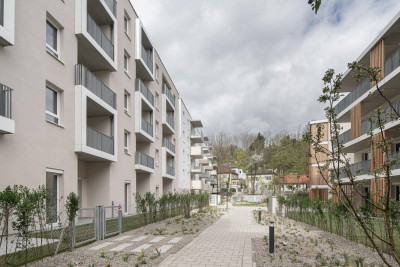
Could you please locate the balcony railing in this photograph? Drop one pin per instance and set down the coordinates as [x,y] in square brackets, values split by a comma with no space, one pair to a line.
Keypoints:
[99,141]
[171,170]
[168,93]
[395,155]
[197,132]
[170,121]
[5,101]
[145,160]
[345,137]
[147,127]
[392,62]
[168,144]
[84,77]
[361,89]
[145,92]
[112,5]
[359,168]
[1,12]
[146,56]
[98,35]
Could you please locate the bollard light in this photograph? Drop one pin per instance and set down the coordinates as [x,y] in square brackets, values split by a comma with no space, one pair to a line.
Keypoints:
[271,237]
[259,215]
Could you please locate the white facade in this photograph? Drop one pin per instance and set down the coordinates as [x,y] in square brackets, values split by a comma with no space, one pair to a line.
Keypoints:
[184,119]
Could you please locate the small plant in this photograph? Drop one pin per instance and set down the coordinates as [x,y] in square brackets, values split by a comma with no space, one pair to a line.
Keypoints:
[141,258]
[359,262]
[70,264]
[346,259]
[126,257]
[103,255]
[108,264]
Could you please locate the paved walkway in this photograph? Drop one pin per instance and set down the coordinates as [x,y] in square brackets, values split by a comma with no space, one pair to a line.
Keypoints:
[225,243]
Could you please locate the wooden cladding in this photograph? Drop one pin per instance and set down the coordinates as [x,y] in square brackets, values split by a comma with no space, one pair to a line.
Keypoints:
[377,153]
[319,194]
[377,57]
[355,116]
[378,189]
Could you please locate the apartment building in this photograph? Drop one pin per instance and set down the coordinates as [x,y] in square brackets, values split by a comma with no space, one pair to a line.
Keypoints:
[361,102]
[86,104]
[184,180]
[319,175]
[201,159]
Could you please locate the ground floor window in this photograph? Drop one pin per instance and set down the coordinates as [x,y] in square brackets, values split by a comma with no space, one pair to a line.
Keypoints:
[397,193]
[126,197]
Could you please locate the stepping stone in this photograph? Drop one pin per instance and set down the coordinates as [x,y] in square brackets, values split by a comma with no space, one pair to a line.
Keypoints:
[164,248]
[157,239]
[140,238]
[175,240]
[122,237]
[106,244]
[121,247]
[144,247]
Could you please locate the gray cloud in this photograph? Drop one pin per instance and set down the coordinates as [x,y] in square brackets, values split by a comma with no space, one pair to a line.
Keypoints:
[248,66]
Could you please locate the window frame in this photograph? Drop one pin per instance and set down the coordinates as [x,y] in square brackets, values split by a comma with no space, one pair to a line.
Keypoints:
[47,112]
[126,24]
[126,62]
[53,51]
[126,141]
[126,101]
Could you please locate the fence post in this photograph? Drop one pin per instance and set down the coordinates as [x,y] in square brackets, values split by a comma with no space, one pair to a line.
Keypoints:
[103,221]
[259,215]
[112,209]
[73,233]
[119,220]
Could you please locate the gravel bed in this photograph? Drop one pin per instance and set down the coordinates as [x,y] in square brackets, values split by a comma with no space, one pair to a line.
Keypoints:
[298,244]
[178,226]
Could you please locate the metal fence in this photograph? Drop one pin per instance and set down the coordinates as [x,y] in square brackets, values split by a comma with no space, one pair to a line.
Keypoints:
[99,141]
[145,160]
[142,88]
[147,127]
[168,144]
[347,227]
[168,93]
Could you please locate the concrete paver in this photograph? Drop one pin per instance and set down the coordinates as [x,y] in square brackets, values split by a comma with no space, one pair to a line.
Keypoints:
[144,247]
[225,243]
[140,238]
[103,245]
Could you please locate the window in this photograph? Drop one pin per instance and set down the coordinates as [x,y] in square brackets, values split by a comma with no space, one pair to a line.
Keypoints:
[126,24]
[2,12]
[156,128]
[365,156]
[126,62]
[397,193]
[157,71]
[157,156]
[126,102]
[157,100]
[52,39]
[52,106]
[397,147]
[126,141]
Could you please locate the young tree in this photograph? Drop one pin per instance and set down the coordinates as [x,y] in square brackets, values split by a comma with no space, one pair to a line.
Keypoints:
[380,203]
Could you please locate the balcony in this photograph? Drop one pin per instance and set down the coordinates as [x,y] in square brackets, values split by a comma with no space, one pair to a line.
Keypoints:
[168,123]
[169,97]
[361,89]
[143,163]
[7,22]
[196,152]
[168,171]
[145,92]
[99,141]
[392,62]
[170,147]
[208,167]
[345,137]
[358,169]
[197,169]
[87,79]
[196,185]
[196,135]
[144,54]
[7,124]
[95,22]
[204,161]
[145,132]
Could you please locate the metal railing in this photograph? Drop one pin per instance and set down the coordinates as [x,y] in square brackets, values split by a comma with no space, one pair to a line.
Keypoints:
[392,62]
[168,144]
[145,91]
[98,35]
[99,141]
[345,137]
[112,5]
[143,159]
[197,132]
[5,101]
[395,155]
[359,168]
[147,127]
[361,89]
[170,121]
[84,77]
[171,170]
[147,58]
[168,93]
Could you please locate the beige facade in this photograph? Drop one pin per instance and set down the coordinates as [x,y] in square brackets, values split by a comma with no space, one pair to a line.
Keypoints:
[86,104]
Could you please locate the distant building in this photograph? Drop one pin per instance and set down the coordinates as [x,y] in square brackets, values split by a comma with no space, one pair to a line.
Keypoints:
[295,182]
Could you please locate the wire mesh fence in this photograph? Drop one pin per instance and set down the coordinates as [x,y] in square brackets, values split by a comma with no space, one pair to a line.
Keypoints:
[348,227]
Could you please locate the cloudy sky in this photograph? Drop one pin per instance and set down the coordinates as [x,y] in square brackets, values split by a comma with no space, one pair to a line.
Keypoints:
[256,65]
